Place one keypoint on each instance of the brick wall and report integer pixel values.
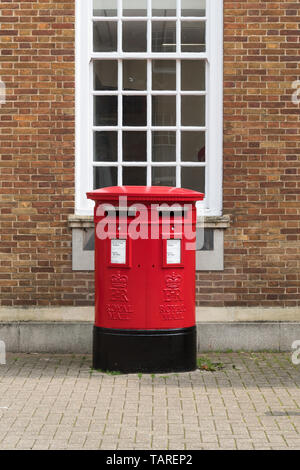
(37, 155)
(261, 158)
(261, 150)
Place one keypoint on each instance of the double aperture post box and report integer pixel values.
(145, 279)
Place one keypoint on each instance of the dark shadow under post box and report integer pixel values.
(145, 241)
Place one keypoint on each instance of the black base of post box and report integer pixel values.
(147, 351)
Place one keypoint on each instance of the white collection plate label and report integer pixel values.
(173, 251)
(118, 252)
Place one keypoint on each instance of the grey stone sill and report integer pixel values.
(81, 221)
(218, 222)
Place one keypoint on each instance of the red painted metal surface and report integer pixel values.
(145, 292)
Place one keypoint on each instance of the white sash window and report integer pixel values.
(149, 96)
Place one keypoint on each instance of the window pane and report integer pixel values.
(193, 110)
(164, 75)
(130, 8)
(163, 176)
(105, 146)
(193, 75)
(134, 75)
(192, 36)
(134, 36)
(193, 146)
(163, 36)
(193, 7)
(105, 8)
(105, 110)
(164, 146)
(134, 146)
(205, 239)
(134, 110)
(164, 7)
(163, 110)
(134, 176)
(105, 36)
(105, 176)
(105, 75)
(193, 178)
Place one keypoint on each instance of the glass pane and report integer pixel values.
(163, 110)
(134, 110)
(164, 146)
(134, 75)
(193, 146)
(163, 75)
(134, 146)
(163, 176)
(193, 110)
(105, 36)
(164, 7)
(192, 36)
(105, 146)
(105, 176)
(105, 110)
(134, 36)
(134, 7)
(105, 75)
(193, 178)
(163, 36)
(105, 7)
(193, 7)
(134, 176)
(193, 75)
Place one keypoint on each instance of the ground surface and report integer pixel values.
(58, 402)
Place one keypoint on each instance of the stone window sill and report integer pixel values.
(218, 222)
(206, 260)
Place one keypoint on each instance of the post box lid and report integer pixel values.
(145, 193)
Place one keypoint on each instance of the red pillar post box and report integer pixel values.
(145, 279)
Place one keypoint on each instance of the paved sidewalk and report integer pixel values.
(57, 402)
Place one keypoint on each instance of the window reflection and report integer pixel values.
(134, 110)
(134, 36)
(163, 36)
(163, 110)
(105, 146)
(105, 110)
(104, 7)
(134, 146)
(134, 75)
(105, 177)
(164, 75)
(134, 176)
(105, 75)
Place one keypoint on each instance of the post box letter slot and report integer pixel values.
(120, 211)
(173, 251)
(118, 252)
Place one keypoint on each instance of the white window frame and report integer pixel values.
(212, 205)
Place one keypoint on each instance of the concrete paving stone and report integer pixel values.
(67, 407)
(108, 446)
